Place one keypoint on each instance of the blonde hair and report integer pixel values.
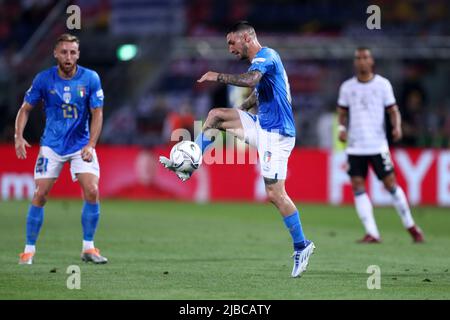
(66, 37)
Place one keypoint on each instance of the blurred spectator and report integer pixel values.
(150, 122)
(180, 118)
(436, 132)
(413, 117)
(446, 126)
(413, 105)
(325, 130)
(120, 128)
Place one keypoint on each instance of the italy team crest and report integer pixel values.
(267, 156)
(81, 91)
(266, 161)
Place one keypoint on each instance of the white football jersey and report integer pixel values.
(366, 103)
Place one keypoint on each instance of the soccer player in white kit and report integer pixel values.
(362, 103)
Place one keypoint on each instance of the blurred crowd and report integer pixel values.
(320, 17)
(314, 84)
(420, 85)
(18, 21)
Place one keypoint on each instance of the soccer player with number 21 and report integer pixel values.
(72, 96)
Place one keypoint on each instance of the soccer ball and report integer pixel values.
(186, 156)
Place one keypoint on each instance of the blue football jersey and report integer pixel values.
(67, 106)
(274, 95)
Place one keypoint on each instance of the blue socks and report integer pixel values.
(203, 141)
(89, 220)
(34, 223)
(294, 225)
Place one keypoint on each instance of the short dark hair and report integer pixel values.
(363, 48)
(241, 26)
(67, 37)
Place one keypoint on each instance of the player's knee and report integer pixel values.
(214, 114)
(273, 195)
(391, 187)
(217, 114)
(358, 189)
(389, 183)
(358, 186)
(40, 196)
(91, 192)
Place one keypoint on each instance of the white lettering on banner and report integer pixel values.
(379, 195)
(14, 186)
(414, 174)
(443, 177)
(338, 176)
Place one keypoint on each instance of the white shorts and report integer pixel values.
(274, 149)
(49, 164)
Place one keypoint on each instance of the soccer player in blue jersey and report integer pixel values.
(72, 96)
(271, 130)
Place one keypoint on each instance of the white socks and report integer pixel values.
(88, 245)
(365, 212)
(402, 207)
(30, 248)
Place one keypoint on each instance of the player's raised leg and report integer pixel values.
(401, 205)
(89, 217)
(218, 119)
(35, 218)
(222, 119)
(303, 248)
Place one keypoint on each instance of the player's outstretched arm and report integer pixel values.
(396, 121)
(21, 121)
(95, 130)
(248, 79)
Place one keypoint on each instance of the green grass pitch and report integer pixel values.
(174, 250)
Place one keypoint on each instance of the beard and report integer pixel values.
(244, 54)
(364, 70)
(66, 68)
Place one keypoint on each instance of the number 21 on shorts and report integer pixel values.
(41, 165)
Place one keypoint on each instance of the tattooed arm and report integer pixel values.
(248, 79)
(250, 104)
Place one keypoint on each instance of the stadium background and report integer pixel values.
(150, 53)
(209, 244)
